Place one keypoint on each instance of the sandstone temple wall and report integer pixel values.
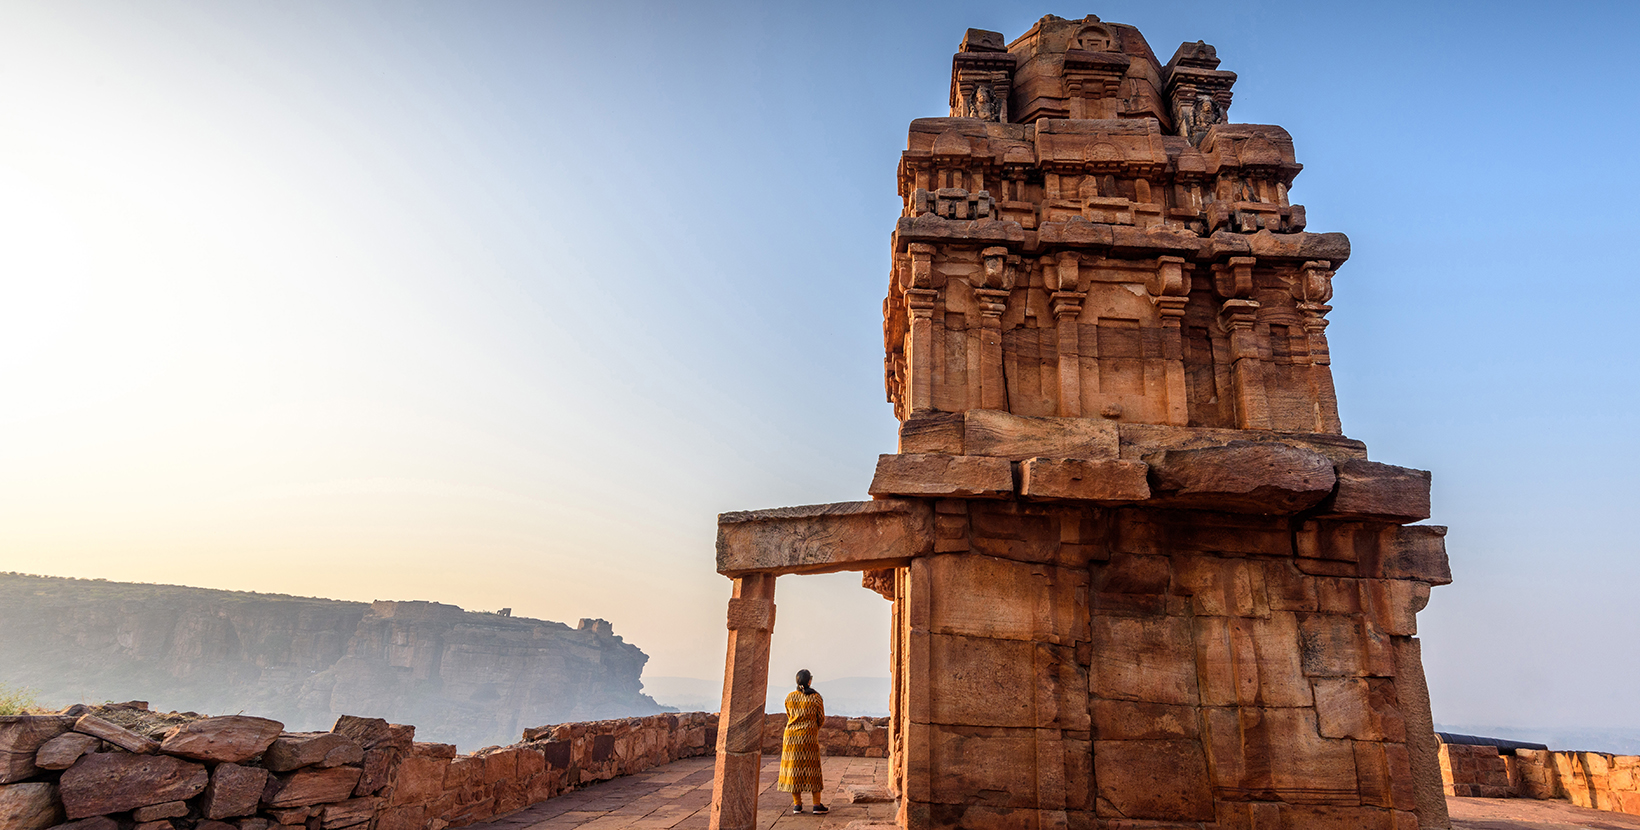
(121, 766)
(1596, 780)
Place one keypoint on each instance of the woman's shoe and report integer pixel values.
(821, 808)
(797, 809)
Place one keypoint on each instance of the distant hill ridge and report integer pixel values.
(463, 677)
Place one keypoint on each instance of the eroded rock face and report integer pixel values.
(469, 678)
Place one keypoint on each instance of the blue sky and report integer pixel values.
(500, 303)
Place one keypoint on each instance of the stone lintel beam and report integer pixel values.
(1370, 490)
(824, 538)
(1241, 477)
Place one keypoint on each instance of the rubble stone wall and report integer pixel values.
(121, 766)
(1596, 780)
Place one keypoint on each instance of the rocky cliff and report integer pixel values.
(462, 677)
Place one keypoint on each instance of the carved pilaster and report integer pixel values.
(1169, 291)
(997, 277)
(1233, 280)
(1311, 290)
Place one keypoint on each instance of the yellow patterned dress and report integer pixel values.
(800, 746)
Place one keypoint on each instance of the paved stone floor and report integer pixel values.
(679, 795)
(1528, 814)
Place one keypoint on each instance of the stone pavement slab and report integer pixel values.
(1530, 814)
(678, 796)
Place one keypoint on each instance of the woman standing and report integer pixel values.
(800, 746)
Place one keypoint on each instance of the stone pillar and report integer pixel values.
(1422, 747)
(740, 721)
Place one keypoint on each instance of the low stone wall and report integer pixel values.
(1596, 780)
(121, 766)
(839, 737)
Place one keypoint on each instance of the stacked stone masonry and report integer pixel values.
(1596, 780)
(85, 770)
(1138, 575)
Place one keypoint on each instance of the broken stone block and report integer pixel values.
(934, 475)
(1242, 477)
(113, 782)
(1105, 481)
(30, 805)
(117, 735)
(294, 750)
(233, 738)
(234, 791)
(62, 751)
(307, 787)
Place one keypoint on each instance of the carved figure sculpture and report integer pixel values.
(1138, 576)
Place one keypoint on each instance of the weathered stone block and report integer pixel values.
(169, 809)
(62, 751)
(1016, 437)
(314, 785)
(1242, 477)
(113, 782)
(1157, 780)
(234, 791)
(294, 750)
(934, 475)
(986, 596)
(233, 739)
(1370, 490)
(21, 737)
(1105, 481)
(1148, 659)
(117, 735)
(30, 805)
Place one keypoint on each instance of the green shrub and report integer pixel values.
(17, 701)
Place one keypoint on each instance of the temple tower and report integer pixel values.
(1139, 576)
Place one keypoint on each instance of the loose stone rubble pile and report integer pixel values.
(1138, 575)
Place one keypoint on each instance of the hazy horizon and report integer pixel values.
(499, 304)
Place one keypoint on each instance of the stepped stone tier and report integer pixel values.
(1139, 576)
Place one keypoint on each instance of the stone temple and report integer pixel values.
(1139, 576)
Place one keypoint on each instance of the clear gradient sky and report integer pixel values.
(499, 303)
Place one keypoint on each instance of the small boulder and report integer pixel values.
(313, 786)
